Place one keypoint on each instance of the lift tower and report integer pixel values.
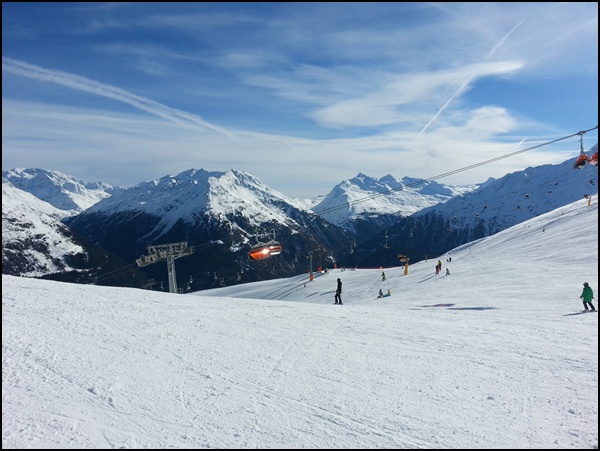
(169, 252)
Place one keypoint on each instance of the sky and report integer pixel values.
(498, 354)
(301, 95)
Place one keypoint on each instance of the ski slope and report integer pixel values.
(495, 355)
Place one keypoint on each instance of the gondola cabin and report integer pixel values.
(581, 161)
(265, 251)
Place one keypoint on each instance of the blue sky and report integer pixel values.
(300, 95)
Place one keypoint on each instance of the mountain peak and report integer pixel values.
(63, 191)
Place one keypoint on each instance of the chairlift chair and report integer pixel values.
(583, 158)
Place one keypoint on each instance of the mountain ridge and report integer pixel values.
(238, 211)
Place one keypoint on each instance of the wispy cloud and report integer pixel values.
(85, 84)
(465, 84)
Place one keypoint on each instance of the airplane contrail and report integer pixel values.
(87, 85)
(463, 85)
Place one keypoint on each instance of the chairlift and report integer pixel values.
(583, 158)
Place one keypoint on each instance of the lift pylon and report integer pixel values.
(167, 252)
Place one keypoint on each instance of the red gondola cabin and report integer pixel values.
(265, 251)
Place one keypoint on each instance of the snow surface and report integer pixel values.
(495, 355)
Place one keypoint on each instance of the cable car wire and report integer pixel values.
(455, 171)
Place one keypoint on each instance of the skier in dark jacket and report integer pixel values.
(587, 295)
(338, 292)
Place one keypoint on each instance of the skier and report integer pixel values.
(587, 295)
(382, 276)
(447, 272)
(380, 293)
(338, 292)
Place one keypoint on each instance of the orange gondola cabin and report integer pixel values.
(581, 161)
(265, 251)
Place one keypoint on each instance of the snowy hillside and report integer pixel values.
(521, 195)
(496, 355)
(33, 238)
(495, 206)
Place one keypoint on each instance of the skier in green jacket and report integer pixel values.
(587, 295)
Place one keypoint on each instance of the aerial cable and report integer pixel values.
(455, 171)
(115, 273)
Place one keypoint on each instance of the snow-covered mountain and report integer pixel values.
(190, 194)
(367, 204)
(36, 243)
(62, 191)
(222, 215)
(364, 204)
(34, 240)
(495, 206)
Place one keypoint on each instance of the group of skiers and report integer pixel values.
(586, 295)
(438, 268)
